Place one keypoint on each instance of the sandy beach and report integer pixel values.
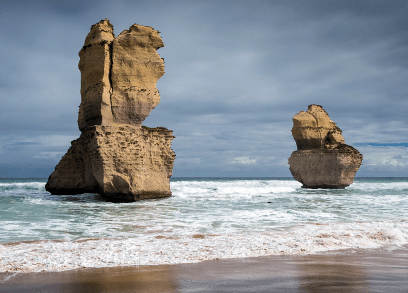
(380, 270)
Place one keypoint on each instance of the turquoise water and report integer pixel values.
(206, 218)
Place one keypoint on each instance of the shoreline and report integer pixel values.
(361, 270)
(161, 249)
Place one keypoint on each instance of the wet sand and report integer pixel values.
(343, 271)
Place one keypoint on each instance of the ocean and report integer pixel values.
(205, 219)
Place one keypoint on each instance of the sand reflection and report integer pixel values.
(332, 273)
(117, 279)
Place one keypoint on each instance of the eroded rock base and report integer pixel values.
(332, 168)
(123, 163)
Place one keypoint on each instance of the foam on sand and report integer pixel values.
(159, 249)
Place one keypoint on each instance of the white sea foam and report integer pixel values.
(159, 249)
(242, 188)
(211, 207)
(35, 184)
(204, 219)
(379, 186)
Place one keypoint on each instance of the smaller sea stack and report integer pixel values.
(322, 159)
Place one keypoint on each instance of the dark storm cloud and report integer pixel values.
(236, 73)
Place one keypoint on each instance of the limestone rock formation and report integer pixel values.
(116, 156)
(322, 160)
(119, 75)
(136, 68)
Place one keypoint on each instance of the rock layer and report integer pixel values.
(116, 156)
(322, 160)
(122, 163)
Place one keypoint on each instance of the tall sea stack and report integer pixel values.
(322, 159)
(116, 156)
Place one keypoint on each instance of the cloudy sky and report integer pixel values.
(236, 74)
